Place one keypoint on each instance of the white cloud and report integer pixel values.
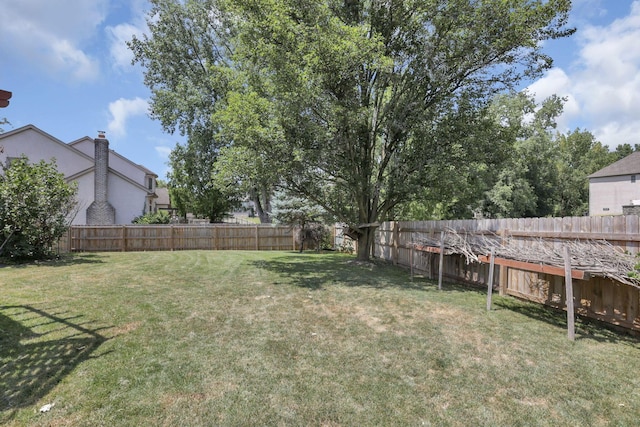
(585, 10)
(66, 57)
(556, 82)
(50, 34)
(614, 133)
(121, 110)
(120, 52)
(603, 85)
(120, 34)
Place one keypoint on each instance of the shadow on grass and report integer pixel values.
(62, 261)
(37, 350)
(315, 271)
(534, 311)
(586, 328)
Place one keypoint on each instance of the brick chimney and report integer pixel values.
(100, 212)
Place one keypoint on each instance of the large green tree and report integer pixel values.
(525, 184)
(245, 167)
(36, 207)
(370, 98)
(190, 185)
(579, 155)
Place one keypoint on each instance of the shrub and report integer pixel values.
(160, 217)
(36, 207)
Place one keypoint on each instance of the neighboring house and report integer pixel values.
(111, 188)
(163, 202)
(615, 189)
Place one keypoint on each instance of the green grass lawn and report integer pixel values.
(277, 338)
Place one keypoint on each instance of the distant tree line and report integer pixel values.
(534, 170)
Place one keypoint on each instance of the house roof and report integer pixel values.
(31, 127)
(71, 146)
(163, 196)
(145, 170)
(137, 165)
(629, 165)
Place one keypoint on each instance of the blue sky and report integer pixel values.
(70, 72)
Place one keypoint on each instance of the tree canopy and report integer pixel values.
(356, 105)
(190, 184)
(533, 170)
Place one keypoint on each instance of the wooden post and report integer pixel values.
(411, 260)
(257, 239)
(441, 267)
(504, 270)
(124, 238)
(395, 236)
(571, 328)
(490, 285)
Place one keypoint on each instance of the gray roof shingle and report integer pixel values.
(629, 165)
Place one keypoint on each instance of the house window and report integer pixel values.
(605, 209)
(150, 183)
(633, 178)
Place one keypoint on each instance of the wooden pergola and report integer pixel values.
(5, 96)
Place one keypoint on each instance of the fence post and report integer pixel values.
(124, 238)
(395, 236)
(257, 239)
(571, 327)
(411, 259)
(441, 267)
(492, 263)
(504, 272)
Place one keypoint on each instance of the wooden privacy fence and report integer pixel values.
(177, 237)
(595, 297)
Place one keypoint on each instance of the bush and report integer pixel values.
(36, 207)
(160, 217)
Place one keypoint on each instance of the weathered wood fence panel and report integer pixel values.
(177, 237)
(597, 297)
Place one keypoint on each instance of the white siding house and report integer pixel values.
(130, 187)
(615, 186)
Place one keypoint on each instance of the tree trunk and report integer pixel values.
(263, 207)
(365, 241)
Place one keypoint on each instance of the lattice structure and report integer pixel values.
(598, 258)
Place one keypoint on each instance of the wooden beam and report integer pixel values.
(431, 249)
(537, 268)
(521, 265)
(623, 237)
(369, 225)
(573, 235)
